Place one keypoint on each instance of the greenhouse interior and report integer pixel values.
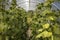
(29, 19)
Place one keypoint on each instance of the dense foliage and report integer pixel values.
(41, 24)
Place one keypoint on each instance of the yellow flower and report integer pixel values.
(39, 35)
(46, 34)
(46, 25)
(40, 30)
(29, 20)
(49, 34)
(47, 11)
(51, 18)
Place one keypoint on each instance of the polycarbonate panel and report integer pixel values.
(24, 5)
(10, 1)
(28, 4)
(8, 4)
(57, 5)
(34, 1)
(40, 1)
(54, 8)
(22, 1)
(32, 6)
